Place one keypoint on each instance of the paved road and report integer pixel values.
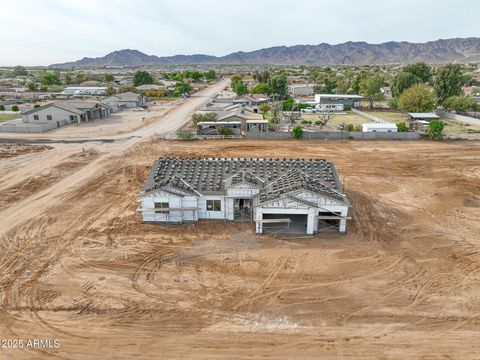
(41, 201)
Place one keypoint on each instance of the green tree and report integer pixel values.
(402, 127)
(182, 88)
(184, 134)
(20, 70)
(110, 91)
(67, 79)
(108, 78)
(15, 108)
(278, 83)
(461, 104)
(210, 75)
(327, 86)
(261, 88)
(342, 86)
(287, 104)
(262, 76)
(435, 128)
(240, 88)
(31, 86)
(298, 132)
(195, 75)
(418, 98)
(357, 81)
(370, 88)
(264, 108)
(235, 78)
(420, 70)
(448, 82)
(402, 82)
(142, 77)
(2, 107)
(206, 117)
(48, 79)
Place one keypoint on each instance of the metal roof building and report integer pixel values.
(424, 116)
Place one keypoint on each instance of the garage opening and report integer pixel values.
(296, 225)
(328, 221)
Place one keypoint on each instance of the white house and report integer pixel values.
(58, 114)
(295, 195)
(345, 99)
(379, 127)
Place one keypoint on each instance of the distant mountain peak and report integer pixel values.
(348, 53)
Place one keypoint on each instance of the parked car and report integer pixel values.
(309, 110)
(138, 109)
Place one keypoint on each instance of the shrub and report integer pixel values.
(2, 108)
(184, 134)
(358, 128)
(347, 107)
(226, 131)
(15, 108)
(319, 122)
(461, 104)
(435, 128)
(402, 127)
(36, 106)
(298, 132)
(198, 117)
(305, 122)
(264, 108)
(349, 127)
(393, 103)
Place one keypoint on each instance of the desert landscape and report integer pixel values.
(403, 282)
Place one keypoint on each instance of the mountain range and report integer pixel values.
(349, 53)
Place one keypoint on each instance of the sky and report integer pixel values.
(42, 32)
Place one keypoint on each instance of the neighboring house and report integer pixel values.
(291, 195)
(149, 87)
(212, 127)
(345, 99)
(301, 90)
(240, 119)
(423, 116)
(421, 121)
(126, 100)
(85, 90)
(123, 79)
(387, 92)
(252, 99)
(379, 127)
(58, 114)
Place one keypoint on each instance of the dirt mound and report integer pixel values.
(11, 150)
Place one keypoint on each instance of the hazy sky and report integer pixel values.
(42, 32)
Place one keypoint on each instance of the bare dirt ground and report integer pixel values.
(12, 150)
(403, 283)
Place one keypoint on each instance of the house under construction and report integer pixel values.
(290, 195)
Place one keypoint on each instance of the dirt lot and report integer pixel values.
(403, 283)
